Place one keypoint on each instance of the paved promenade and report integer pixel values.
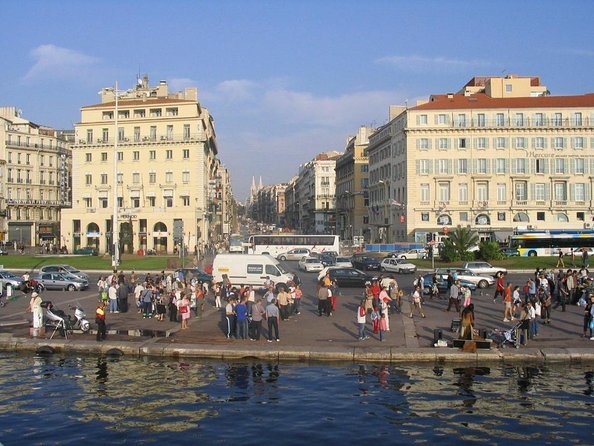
(307, 336)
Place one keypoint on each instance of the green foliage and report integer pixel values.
(461, 240)
(489, 250)
(448, 252)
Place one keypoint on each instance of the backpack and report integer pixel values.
(361, 311)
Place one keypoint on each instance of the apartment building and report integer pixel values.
(35, 166)
(352, 194)
(149, 157)
(501, 153)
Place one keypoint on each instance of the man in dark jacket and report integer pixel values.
(122, 294)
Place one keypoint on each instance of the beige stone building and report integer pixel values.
(502, 153)
(35, 163)
(150, 156)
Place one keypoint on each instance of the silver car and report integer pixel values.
(62, 281)
(66, 269)
(6, 277)
(397, 266)
(294, 254)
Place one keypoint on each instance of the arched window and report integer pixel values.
(482, 219)
(521, 217)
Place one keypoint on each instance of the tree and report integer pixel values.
(461, 241)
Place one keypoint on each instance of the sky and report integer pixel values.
(284, 80)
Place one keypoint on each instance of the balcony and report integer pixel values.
(143, 140)
(513, 123)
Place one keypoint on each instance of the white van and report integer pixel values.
(249, 269)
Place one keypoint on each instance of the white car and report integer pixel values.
(484, 268)
(344, 262)
(480, 280)
(397, 266)
(294, 254)
(310, 264)
(413, 254)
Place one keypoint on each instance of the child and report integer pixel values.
(382, 326)
(362, 320)
(375, 316)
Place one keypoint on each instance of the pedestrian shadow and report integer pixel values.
(351, 333)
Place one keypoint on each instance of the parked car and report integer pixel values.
(87, 251)
(63, 268)
(484, 268)
(3, 252)
(414, 254)
(62, 281)
(397, 266)
(325, 258)
(294, 254)
(366, 263)
(343, 261)
(349, 277)
(480, 280)
(6, 277)
(442, 283)
(310, 264)
(510, 252)
(190, 273)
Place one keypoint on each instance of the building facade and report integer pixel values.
(500, 154)
(35, 173)
(149, 157)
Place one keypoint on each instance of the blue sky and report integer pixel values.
(284, 80)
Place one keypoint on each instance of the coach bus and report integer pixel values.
(277, 244)
(548, 242)
(236, 244)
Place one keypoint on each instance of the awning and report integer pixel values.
(503, 236)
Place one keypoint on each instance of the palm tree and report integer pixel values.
(462, 240)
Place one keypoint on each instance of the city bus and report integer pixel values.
(236, 244)
(278, 244)
(548, 242)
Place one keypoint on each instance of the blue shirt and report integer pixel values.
(241, 311)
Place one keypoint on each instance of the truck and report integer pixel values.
(250, 269)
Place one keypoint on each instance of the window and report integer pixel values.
(169, 177)
(482, 191)
(136, 155)
(186, 154)
(123, 114)
(442, 118)
(500, 165)
(540, 165)
(464, 216)
(481, 143)
(519, 119)
(152, 154)
(463, 192)
(499, 119)
(424, 166)
(461, 143)
(151, 201)
(578, 142)
(169, 133)
(538, 119)
(580, 216)
(424, 193)
(185, 176)
(155, 113)
(462, 165)
(559, 165)
(539, 142)
(539, 192)
(136, 134)
(135, 201)
(104, 156)
(423, 143)
(88, 179)
(422, 119)
(579, 192)
(424, 216)
(120, 156)
(444, 192)
(88, 157)
(508, 88)
(107, 115)
(558, 142)
(500, 142)
(186, 131)
(103, 202)
(558, 119)
(152, 177)
(521, 191)
(560, 191)
(185, 200)
(136, 178)
(168, 202)
(169, 154)
(461, 120)
(172, 111)
(443, 166)
(153, 133)
(121, 135)
(105, 135)
(103, 178)
(480, 120)
(520, 165)
(579, 166)
(89, 136)
(577, 118)
(501, 192)
(520, 143)
(140, 113)
(481, 165)
(500, 216)
(540, 216)
(88, 202)
(443, 143)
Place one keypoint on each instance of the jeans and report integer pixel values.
(231, 325)
(147, 308)
(362, 333)
(256, 329)
(533, 327)
(113, 305)
(242, 328)
(381, 333)
(272, 324)
(297, 305)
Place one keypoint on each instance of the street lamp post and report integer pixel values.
(114, 230)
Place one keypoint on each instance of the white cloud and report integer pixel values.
(422, 63)
(179, 84)
(57, 63)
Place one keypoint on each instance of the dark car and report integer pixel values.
(190, 273)
(349, 277)
(86, 251)
(510, 252)
(366, 263)
(442, 283)
(326, 259)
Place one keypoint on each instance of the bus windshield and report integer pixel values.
(550, 242)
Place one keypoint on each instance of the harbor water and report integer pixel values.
(73, 400)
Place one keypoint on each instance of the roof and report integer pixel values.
(148, 102)
(481, 100)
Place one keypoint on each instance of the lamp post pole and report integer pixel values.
(114, 230)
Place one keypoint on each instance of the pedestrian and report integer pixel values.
(172, 305)
(241, 314)
(100, 321)
(35, 309)
(533, 331)
(323, 303)
(585, 262)
(161, 309)
(499, 288)
(508, 300)
(184, 310)
(362, 320)
(385, 300)
(230, 318)
(589, 318)
(283, 304)
(560, 261)
(454, 296)
(138, 289)
(417, 302)
(297, 299)
(272, 314)
(147, 302)
(467, 323)
(467, 296)
(122, 296)
(368, 297)
(546, 307)
(382, 326)
(112, 293)
(524, 324)
(258, 313)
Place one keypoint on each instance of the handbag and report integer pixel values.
(183, 309)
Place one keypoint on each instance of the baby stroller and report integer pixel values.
(56, 319)
(510, 336)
